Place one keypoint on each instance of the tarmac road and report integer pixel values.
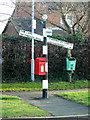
(61, 109)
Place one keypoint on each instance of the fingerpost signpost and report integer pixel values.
(43, 69)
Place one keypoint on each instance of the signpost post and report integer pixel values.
(45, 55)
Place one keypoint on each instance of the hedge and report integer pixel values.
(17, 55)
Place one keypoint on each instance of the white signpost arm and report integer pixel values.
(49, 39)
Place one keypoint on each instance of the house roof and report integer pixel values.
(26, 24)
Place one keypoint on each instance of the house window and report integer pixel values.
(69, 19)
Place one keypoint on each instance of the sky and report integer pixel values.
(6, 10)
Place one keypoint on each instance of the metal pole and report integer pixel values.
(45, 55)
(32, 61)
(69, 72)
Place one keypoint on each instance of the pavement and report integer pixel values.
(58, 107)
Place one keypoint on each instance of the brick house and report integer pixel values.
(21, 19)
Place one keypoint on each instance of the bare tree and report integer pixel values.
(73, 16)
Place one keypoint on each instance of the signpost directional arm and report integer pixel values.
(49, 40)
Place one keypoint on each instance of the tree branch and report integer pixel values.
(53, 22)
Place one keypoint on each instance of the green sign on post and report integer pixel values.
(70, 64)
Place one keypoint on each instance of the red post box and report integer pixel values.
(40, 64)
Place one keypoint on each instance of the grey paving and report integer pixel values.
(55, 105)
(60, 107)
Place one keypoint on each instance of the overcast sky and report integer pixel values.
(6, 10)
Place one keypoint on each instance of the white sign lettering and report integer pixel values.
(49, 32)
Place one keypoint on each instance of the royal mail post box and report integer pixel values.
(70, 64)
(40, 64)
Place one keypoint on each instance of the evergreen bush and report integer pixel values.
(17, 58)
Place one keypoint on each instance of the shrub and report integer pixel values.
(17, 56)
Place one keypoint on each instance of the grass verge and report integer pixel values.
(37, 86)
(13, 106)
(77, 96)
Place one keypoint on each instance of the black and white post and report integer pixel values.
(45, 55)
